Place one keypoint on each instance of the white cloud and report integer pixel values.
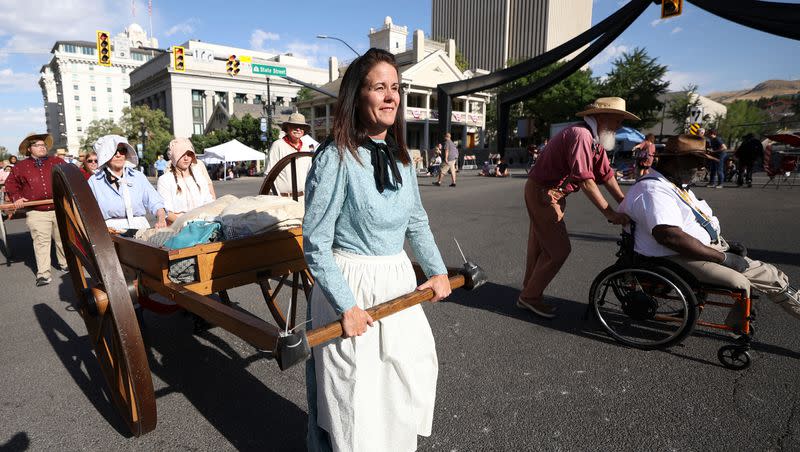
(13, 82)
(32, 26)
(258, 37)
(184, 28)
(676, 30)
(608, 54)
(16, 123)
(657, 22)
(678, 80)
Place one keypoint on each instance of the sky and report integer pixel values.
(697, 47)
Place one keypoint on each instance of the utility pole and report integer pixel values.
(269, 116)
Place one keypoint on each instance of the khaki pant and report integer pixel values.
(548, 241)
(761, 276)
(44, 228)
(448, 167)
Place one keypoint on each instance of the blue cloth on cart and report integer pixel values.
(195, 233)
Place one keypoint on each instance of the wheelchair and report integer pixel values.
(654, 303)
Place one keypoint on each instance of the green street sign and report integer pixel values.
(264, 69)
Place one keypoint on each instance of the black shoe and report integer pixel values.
(438, 184)
(452, 185)
(42, 281)
(62, 268)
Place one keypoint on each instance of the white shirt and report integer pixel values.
(283, 183)
(654, 202)
(192, 194)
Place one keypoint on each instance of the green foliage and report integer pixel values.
(743, 117)
(4, 154)
(639, 79)
(461, 61)
(97, 129)
(678, 108)
(157, 127)
(559, 103)
(246, 130)
(304, 93)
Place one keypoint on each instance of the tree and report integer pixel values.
(99, 128)
(743, 117)
(461, 61)
(639, 79)
(157, 127)
(559, 103)
(678, 108)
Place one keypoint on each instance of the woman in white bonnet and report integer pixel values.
(124, 194)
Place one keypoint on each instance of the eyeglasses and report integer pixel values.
(91, 160)
(121, 151)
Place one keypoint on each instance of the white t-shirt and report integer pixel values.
(192, 194)
(651, 203)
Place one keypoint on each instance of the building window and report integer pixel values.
(68, 48)
(87, 50)
(198, 125)
(94, 98)
(91, 68)
(80, 129)
(77, 97)
(239, 98)
(138, 56)
(77, 108)
(222, 98)
(124, 70)
(91, 88)
(108, 89)
(75, 87)
(258, 99)
(111, 109)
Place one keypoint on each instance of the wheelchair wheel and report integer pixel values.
(734, 357)
(644, 307)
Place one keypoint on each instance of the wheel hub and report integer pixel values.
(638, 305)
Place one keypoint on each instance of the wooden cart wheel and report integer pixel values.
(103, 299)
(298, 278)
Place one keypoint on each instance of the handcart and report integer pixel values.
(107, 296)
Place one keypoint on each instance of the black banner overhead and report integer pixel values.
(778, 18)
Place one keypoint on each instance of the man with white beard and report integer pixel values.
(574, 159)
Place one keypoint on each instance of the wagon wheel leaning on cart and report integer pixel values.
(297, 278)
(103, 299)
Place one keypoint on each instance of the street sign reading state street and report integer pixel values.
(264, 69)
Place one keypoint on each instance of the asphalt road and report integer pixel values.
(507, 381)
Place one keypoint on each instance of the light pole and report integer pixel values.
(144, 136)
(340, 40)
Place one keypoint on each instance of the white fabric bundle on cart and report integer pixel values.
(254, 215)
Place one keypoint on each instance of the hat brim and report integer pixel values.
(23, 145)
(306, 127)
(702, 154)
(612, 111)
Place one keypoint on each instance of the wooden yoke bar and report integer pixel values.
(334, 329)
(25, 205)
(244, 325)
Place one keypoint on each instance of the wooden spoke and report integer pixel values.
(103, 300)
(293, 303)
(271, 298)
(268, 186)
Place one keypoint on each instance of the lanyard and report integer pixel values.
(701, 218)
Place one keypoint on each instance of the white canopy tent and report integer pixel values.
(232, 151)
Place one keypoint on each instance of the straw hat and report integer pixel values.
(297, 119)
(610, 105)
(32, 137)
(686, 145)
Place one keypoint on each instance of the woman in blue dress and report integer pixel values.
(374, 388)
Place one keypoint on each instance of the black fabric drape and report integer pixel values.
(778, 18)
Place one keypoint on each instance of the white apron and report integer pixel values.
(130, 221)
(376, 392)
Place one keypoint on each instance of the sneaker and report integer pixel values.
(438, 184)
(718, 186)
(452, 185)
(42, 281)
(62, 268)
(540, 309)
(788, 300)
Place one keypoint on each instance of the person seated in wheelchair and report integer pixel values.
(672, 223)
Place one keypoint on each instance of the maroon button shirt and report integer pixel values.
(32, 182)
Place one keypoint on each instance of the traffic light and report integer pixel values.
(232, 65)
(103, 48)
(671, 8)
(178, 59)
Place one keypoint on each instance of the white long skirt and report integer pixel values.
(376, 392)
